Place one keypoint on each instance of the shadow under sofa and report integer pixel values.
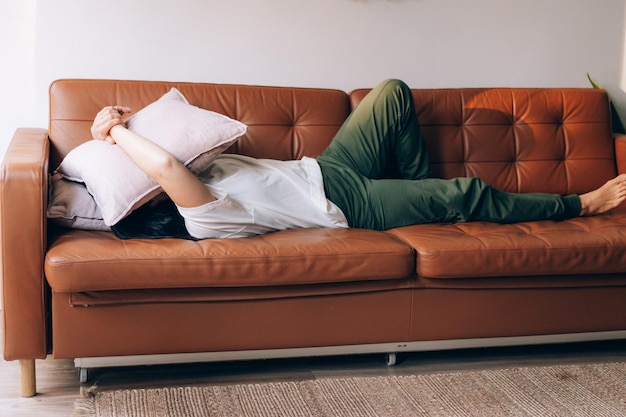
(103, 301)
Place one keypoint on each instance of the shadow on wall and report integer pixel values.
(617, 125)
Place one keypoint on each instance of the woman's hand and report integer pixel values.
(105, 120)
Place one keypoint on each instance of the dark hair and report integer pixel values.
(153, 220)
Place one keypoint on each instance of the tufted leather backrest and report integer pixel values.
(283, 123)
(555, 140)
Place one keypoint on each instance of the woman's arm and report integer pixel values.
(180, 184)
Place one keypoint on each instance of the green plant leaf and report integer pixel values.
(593, 83)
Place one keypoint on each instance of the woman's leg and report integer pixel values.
(382, 136)
(396, 203)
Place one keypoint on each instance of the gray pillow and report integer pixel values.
(71, 205)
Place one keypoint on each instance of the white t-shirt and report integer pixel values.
(256, 196)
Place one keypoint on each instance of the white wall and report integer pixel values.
(341, 44)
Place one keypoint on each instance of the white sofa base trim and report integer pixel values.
(390, 349)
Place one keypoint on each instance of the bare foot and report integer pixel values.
(605, 198)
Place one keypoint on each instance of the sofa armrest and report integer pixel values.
(23, 202)
(620, 152)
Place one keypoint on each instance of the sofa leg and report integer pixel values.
(28, 384)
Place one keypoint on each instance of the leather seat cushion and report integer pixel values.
(586, 245)
(80, 260)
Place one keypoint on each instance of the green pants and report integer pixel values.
(376, 170)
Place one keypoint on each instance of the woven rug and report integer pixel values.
(570, 390)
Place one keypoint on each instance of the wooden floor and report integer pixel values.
(58, 384)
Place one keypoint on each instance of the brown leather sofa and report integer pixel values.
(88, 295)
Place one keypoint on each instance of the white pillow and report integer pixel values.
(71, 205)
(171, 120)
(193, 135)
(117, 185)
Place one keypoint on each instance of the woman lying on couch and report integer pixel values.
(349, 185)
